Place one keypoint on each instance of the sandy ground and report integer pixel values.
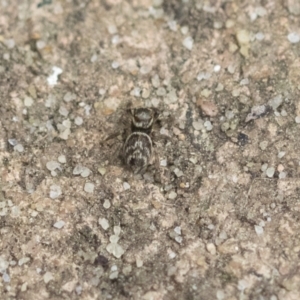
(219, 219)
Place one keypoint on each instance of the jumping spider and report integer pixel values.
(139, 138)
(138, 147)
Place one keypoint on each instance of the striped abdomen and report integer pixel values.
(137, 151)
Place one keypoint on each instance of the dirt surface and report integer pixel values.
(219, 219)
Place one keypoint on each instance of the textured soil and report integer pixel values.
(219, 218)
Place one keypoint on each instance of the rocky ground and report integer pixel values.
(219, 219)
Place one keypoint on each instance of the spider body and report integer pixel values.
(138, 147)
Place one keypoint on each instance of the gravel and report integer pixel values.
(293, 37)
(270, 172)
(104, 223)
(259, 229)
(28, 101)
(89, 187)
(19, 148)
(62, 159)
(188, 43)
(59, 224)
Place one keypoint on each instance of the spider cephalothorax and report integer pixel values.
(142, 119)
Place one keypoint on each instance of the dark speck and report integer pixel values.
(242, 139)
(102, 261)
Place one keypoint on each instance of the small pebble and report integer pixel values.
(115, 39)
(172, 195)
(19, 148)
(178, 172)
(211, 226)
(63, 111)
(188, 43)
(59, 224)
(172, 25)
(193, 160)
(13, 142)
(106, 204)
(69, 97)
(102, 170)
(242, 284)
(78, 169)
(282, 175)
(89, 187)
(297, 119)
(235, 93)
(114, 238)
(40, 44)
(52, 165)
(78, 289)
(28, 101)
(10, 43)
(184, 30)
(155, 81)
(126, 186)
(161, 91)
(172, 254)
(52, 79)
(55, 191)
(203, 76)
(229, 114)
(263, 145)
(280, 168)
(281, 154)
(115, 65)
(104, 223)
(231, 69)
(85, 172)
(205, 93)
(53, 173)
(220, 295)
(259, 229)
(62, 159)
(244, 81)
(211, 248)
(293, 37)
(145, 69)
(243, 37)
(276, 102)
(259, 36)
(48, 277)
(264, 167)
(219, 87)
(198, 125)
(177, 230)
(217, 68)
(117, 230)
(207, 107)
(102, 91)
(6, 277)
(270, 172)
(179, 239)
(208, 125)
(139, 263)
(23, 260)
(260, 11)
(163, 162)
(114, 275)
(112, 28)
(94, 58)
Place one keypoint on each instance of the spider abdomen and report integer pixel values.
(138, 151)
